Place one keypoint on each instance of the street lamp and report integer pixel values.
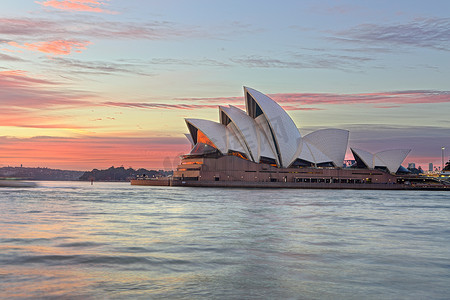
(442, 169)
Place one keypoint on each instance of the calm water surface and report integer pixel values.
(111, 240)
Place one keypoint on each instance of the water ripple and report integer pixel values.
(71, 240)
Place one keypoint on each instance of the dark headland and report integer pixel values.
(110, 174)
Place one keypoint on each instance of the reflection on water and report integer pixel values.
(111, 240)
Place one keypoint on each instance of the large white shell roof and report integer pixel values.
(281, 128)
(246, 127)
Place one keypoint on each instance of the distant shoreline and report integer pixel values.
(112, 174)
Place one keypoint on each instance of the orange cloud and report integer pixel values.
(13, 73)
(77, 5)
(20, 118)
(58, 47)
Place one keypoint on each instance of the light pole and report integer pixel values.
(442, 169)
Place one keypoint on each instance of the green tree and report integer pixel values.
(447, 166)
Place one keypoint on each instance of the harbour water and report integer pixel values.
(74, 240)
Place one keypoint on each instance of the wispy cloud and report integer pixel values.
(145, 105)
(299, 101)
(19, 78)
(6, 57)
(304, 61)
(431, 33)
(95, 67)
(58, 47)
(28, 102)
(90, 27)
(189, 62)
(78, 5)
(218, 100)
(398, 97)
(20, 90)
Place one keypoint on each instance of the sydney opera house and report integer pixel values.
(262, 146)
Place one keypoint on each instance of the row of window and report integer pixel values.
(334, 180)
(306, 180)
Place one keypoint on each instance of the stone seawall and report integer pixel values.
(287, 185)
(151, 182)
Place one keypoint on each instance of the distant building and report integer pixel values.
(411, 166)
(349, 162)
(430, 167)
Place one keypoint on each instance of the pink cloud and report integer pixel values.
(24, 98)
(304, 101)
(16, 78)
(218, 100)
(400, 97)
(20, 90)
(182, 106)
(58, 47)
(77, 5)
(159, 105)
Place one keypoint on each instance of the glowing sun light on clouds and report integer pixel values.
(77, 5)
(58, 47)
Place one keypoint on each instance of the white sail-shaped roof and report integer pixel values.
(366, 157)
(222, 137)
(311, 153)
(305, 153)
(319, 156)
(247, 131)
(266, 143)
(281, 129)
(392, 159)
(331, 142)
(237, 142)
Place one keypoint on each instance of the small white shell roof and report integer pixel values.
(331, 142)
(286, 135)
(391, 159)
(217, 133)
(365, 156)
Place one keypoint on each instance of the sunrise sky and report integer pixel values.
(92, 84)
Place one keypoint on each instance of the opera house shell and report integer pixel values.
(263, 144)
